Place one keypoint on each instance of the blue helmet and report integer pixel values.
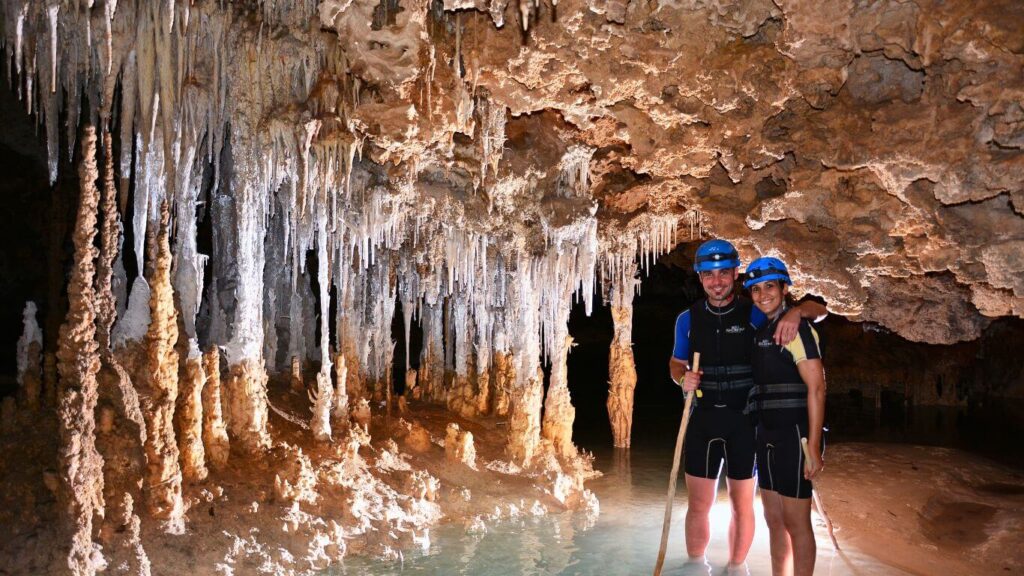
(764, 269)
(715, 254)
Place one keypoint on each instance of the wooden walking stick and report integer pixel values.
(817, 498)
(675, 472)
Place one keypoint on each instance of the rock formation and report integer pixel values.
(81, 466)
(159, 390)
(215, 435)
(621, 368)
(30, 360)
(189, 418)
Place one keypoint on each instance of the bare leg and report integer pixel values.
(741, 527)
(781, 548)
(797, 517)
(700, 495)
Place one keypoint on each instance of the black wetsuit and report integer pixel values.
(780, 398)
(718, 429)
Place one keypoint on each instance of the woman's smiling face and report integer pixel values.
(768, 296)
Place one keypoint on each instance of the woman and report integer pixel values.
(789, 396)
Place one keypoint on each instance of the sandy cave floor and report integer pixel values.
(926, 510)
(922, 510)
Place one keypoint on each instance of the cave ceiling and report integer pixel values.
(875, 146)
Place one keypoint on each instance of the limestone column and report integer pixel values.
(504, 369)
(461, 396)
(245, 390)
(81, 466)
(431, 372)
(621, 367)
(559, 412)
(528, 393)
(320, 422)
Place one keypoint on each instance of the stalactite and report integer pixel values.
(81, 466)
(215, 434)
(621, 367)
(159, 384)
(30, 360)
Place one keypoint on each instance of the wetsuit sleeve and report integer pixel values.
(806, 345)
(681, 350)
(757, 318)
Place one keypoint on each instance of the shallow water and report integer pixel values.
(622, 541)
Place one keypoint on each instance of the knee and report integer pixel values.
(797, 524)
(774, 519)
(742, 509)
(700, 505)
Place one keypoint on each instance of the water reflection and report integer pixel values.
(623, 542)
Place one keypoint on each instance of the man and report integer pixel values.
(721, 327)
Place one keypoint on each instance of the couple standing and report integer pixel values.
(760, 362)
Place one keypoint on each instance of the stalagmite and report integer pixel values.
(159, 390)
(340, 407)
(215, 434)
(30, 352)
(190, 418)
(81, 466)
(296, 375)
(110, 241)
(621, 368)
(458, 446)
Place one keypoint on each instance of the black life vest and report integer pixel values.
(723, 336)
(780, 396)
